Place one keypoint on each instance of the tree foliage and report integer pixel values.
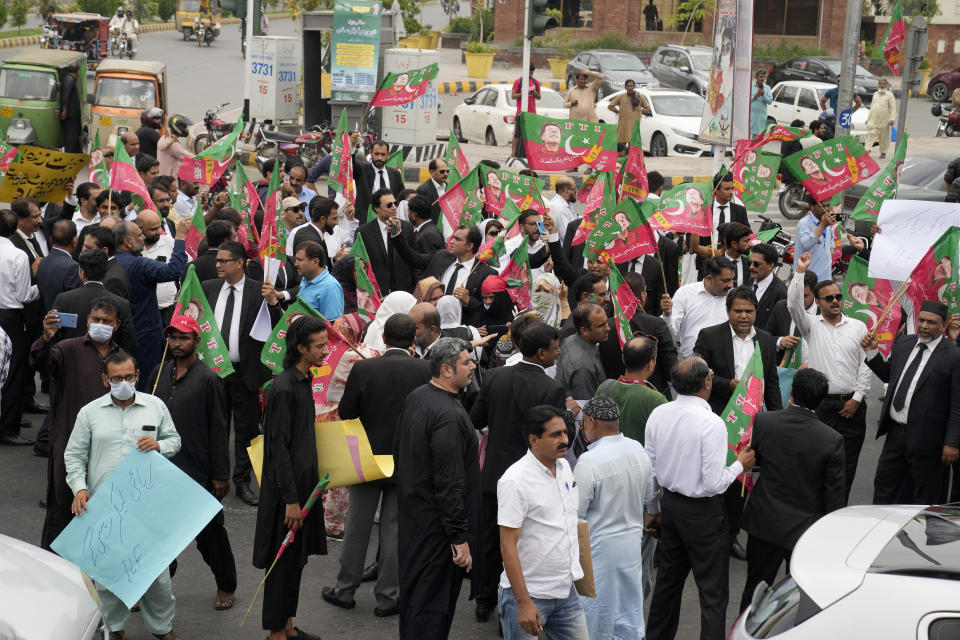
(18, 13)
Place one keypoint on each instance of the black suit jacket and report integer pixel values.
(392, 272)
(434, 264)
(653, 278)
(57, 273)
(375, 391)
(506, 394)
(776, 292)
(78, 301)
(251, 368)
(206, 264)
(801, 475)
(393, 177)
(287, 279)
(428, 238)
(611, 354)
(715, 345)
(116, 281)
(573, 254)
(737, 213)
(934, 416)
(428, 191)
(670, 252)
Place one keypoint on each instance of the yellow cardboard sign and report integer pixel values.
(41, 173)
(343, 451)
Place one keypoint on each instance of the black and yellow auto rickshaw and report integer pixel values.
(190, 11)
(87, 32)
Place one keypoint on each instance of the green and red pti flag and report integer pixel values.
(340, 177)
(633, 173)
(368, 293)
(207, 166)
(778, 133)
(935, 276)
(894, 37)
(556, 145)
(499, 185)
(98, 164)
(456, 161)
(395, 161)
(745, 403)
(625, 304)
(754, 175)
(492, 250)
(198, 230)
(461, 204)
(212, 349)
(830, 167)
(884, 185)
(517, 274)
(9, 154)
(622, 232)
(603, 190)
(866, 298)
(244, 198)
(404, 87)
(124, 177)
(275, 347)
(687, 208)
(273, 234)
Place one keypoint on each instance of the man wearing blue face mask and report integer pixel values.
(75, 366)
(107, 429)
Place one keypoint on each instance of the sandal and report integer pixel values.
(170, 635)
(223, 602)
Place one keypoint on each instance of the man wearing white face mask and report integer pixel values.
(74, 366)
(107, 429)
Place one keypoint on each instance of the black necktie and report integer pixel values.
(452, 282)
(383, 181)
(228, 317)
(723, 214)
(756, 287)
(36, 246)
(900, 398)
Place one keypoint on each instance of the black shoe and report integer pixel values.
(33, 407)
(14, 441)
(483, 611)
(370, 573)
(386, 613)
(245, 494)
(737, 550)
(303, 635)
(26, 424)
(41, 450)
(327, 594)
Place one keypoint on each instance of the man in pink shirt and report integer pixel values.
(533, 94)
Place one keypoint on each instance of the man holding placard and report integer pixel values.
(106, 431)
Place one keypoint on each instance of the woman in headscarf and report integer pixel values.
(490, 229)
(428, 290)
(350, 327)
(546, 299)
(396, 302)
(497, 309)
(343, 272)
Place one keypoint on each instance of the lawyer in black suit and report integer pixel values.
(439, 174)
(715, 345)
(91, 270)
(724, 211)
(58, 271)
(391, 271)
(205, 264)
(116, 279)
(458, 269)
(249, 371)
(374, 392)
(763, 259)
(425, 232)
(922, 423)
(376, 175)
(505, 396)
(801, 479)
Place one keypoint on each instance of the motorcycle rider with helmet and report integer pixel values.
(149, 133)
(131, 27)
(169, 150)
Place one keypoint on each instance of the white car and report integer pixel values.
(672, 128)
(800, 100)
(878, 572)
(488, 116)
(45, 596)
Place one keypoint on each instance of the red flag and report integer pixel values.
(124, 177)
(517, 274)
(602, 190)
(625, 303)
(198, 229)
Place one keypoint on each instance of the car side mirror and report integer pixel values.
(685, 69)
(470, 100)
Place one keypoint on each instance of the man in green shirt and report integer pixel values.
(636, 397)
(106, 431)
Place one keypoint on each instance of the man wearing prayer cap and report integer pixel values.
(921, 412)
(615, 481)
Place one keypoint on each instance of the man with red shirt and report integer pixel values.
(533, 94)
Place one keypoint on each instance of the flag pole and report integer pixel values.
(162, 359)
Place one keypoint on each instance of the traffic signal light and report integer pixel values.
(539, 20)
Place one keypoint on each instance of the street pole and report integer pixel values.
(848, 61)
(246, 67)
(915, 48)
(525, 63)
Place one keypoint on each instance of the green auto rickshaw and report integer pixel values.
(30, 97)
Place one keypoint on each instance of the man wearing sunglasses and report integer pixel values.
(389, 268)
(832, 346)
(766, 286)
(436, 186)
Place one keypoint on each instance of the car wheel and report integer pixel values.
(771, 120)
(490, 139)
(457, 131)
(200, 143)
(939, 92)
(693, 88)
(658, 146)
(186, 33)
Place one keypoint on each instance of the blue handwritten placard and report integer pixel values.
(142, 516)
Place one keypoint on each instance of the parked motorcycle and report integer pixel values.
(216, 128)
(949, 125)
(310, 146)
(50, 39)
(791, 202)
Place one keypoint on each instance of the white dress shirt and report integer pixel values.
(682, 433)
(518, 357)
(166, 291)
(465, 269)
(441, 188)
(763, 285)
(183, 207)
(40, 241)
(562, 212)
(234, 338)
(384, 233)
(694, 308)
(739, 275)
(15, 287)
(82, 222)
(742, 351)
(544, 508)
(381, 179)
(901, 416)
(833, 350)
(716, 218)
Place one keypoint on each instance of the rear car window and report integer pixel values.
(781, 607)
(928, 545)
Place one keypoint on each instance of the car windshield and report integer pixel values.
(128, 93)
(921, 171)
(781, 607)
(701, 61)
(927, 545)
(678, 106)
(190, 5)
(549, 99)
(27, 84)
(834, 66)
(621, 62)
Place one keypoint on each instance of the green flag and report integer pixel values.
(275, 348)
(456, 161)
(884, 186)
(212, 349)
(98, 164)
(744, 404)
(395, 160)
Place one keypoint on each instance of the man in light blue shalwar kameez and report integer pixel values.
(760, 97)
(615, 482)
